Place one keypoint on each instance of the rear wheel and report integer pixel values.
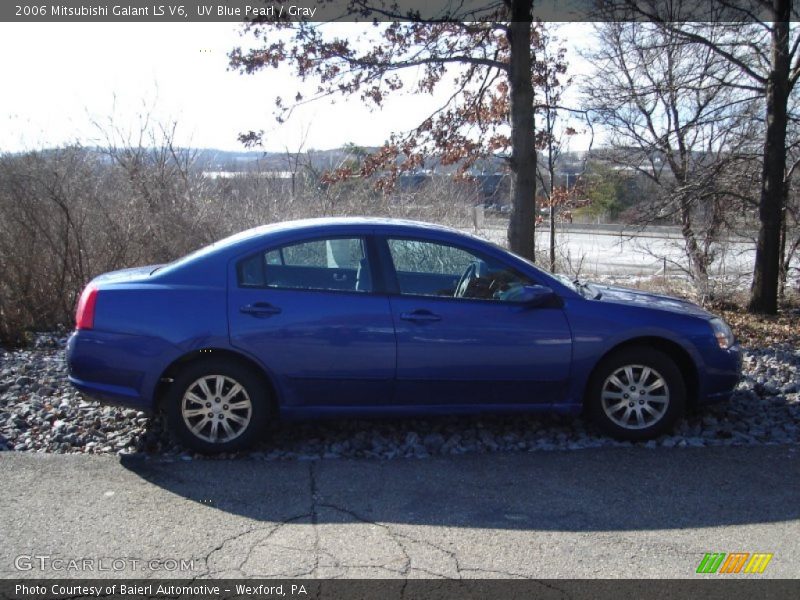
(636, 394)
(217, 406)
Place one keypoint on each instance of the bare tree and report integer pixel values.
(162, 183)
(553, 133)
(756, 39)
(674, 118)
(56, 231)
(550, 138)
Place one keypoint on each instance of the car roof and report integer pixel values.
(325, 225)
(343, 223)
(334, 225)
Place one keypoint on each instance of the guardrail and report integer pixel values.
(616, 229)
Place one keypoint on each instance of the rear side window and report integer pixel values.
(338, 264)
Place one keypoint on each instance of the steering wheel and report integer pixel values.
(469, 274)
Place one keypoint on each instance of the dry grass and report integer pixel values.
(764, 330)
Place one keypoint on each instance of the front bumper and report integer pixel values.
(722, 374)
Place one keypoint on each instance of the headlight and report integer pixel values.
(722, 332)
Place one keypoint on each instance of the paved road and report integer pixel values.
(596, 513)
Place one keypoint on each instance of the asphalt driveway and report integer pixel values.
(629, 512)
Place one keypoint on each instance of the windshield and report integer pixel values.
(562, 279)
(568, 282)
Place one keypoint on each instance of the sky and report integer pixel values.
(67, 83)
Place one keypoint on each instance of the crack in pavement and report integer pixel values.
(218, 548)
(270, 531)
(400, 539)
(263, 538)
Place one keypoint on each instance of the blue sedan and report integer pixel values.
(377, 317)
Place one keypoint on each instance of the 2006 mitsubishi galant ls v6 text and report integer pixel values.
(374, 317)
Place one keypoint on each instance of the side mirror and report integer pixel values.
(535, 295)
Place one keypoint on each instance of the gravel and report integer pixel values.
(41, 412)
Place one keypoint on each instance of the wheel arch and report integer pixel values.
(205, 354)
(683, 359)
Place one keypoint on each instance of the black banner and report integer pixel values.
(721, 588)
(179, 11)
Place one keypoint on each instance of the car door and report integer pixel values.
(307, 311)
(482, 347)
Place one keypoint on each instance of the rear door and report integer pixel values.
(308, 311)
(469, 342)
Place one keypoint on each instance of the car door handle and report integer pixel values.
(420, 316)
(260, 309)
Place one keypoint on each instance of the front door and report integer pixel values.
(462, 339)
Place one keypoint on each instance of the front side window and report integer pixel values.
(328, 264)
(433, 269)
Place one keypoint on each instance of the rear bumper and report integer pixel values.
(117, 368)
(110, 394)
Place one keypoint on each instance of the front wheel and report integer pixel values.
(217, 406)
(636, 394)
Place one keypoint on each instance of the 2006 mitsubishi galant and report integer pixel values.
(369, 317)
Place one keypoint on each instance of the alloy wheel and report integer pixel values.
(635, 396)
(216, 408)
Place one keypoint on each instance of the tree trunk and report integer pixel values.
(551, 171)
(523, 154)
(764, 291)
(552, 236)
(698, 259)
(784, 262)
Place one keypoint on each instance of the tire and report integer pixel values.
(636, 393)
(206, 421)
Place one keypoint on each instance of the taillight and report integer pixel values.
(84, 315)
